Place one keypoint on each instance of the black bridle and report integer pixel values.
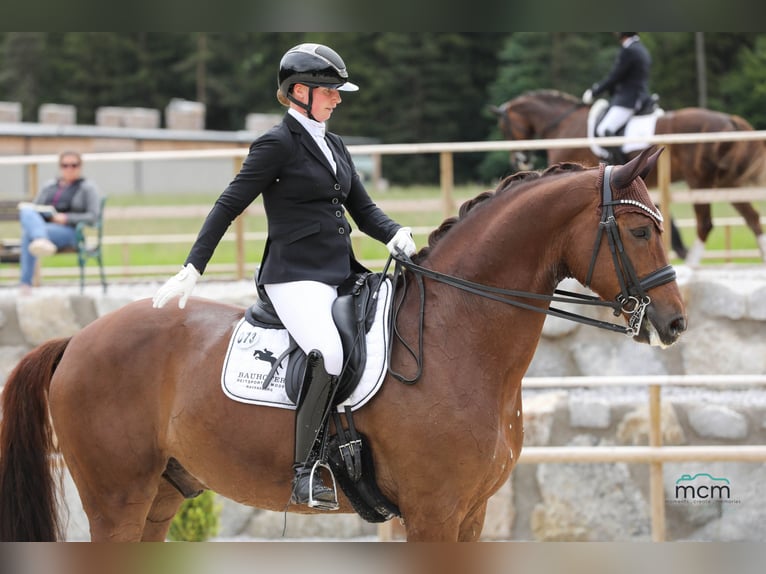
(632, 299)
(507, 125)
(543, 134)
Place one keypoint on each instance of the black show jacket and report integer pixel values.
(305, 203)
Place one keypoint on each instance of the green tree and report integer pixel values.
(423, 87)
(566, 61)
(747, 87)
(23, 68)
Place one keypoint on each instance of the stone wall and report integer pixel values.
(598, 502)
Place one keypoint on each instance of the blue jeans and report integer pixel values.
(33, 226)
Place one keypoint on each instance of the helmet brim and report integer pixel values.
(344, 87)
(348, 87)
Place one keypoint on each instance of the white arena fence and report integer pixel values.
(655, 454)
(446, 151)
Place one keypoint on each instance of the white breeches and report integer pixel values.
(305, 308)
(614, 119)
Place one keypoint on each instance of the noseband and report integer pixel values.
(632, 299)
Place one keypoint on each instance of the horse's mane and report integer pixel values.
(546, 94)
(512, 183)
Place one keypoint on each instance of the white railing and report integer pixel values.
(655, 454)
(446, 151)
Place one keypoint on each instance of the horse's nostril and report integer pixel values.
(678, 325)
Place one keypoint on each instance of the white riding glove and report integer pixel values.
(402, 240)
(587, 97)
(181, 284)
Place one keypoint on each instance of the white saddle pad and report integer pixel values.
(253, 351)
(641, 127)
(638, 127)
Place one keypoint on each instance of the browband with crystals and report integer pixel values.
(654, 213)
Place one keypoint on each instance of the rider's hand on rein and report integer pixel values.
(403, 241)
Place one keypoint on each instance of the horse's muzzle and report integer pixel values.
(661, 331)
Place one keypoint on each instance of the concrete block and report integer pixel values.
(184, 115)
(57, 114)
(261, 123)
(10, 112)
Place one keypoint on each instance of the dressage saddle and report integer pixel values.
(353, 312)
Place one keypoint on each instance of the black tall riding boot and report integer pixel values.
(616, 155)
(313, 401)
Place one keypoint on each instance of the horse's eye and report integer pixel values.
(642, 232)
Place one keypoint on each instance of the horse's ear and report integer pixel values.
(639, 166)
(651, 162)
(494, 110)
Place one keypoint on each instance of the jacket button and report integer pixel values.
(337, 187)
(341, 231)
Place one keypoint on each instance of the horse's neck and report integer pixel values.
(544, 114)
(508, 244)
(513, 244)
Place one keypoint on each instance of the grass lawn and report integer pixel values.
(174, 253)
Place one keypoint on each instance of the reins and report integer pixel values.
(555, 123)
(543, 133)
(632, 299)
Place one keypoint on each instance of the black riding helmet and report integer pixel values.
(313, 65)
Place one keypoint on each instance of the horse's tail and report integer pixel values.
(28, 508)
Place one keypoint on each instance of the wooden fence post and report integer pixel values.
(447, 182)
(656, 483)
(663, 181)
(32, 180)
(239, 230)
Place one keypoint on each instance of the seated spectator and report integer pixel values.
(48, 223)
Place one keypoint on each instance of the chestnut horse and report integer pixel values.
(548, 114)
(139, 389)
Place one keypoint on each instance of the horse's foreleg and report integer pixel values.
(424, 526)
(753, 220)
(704, 227)
(704, 220)
(422, 529)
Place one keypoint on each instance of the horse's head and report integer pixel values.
(539, 114)
(515, 126)
(629, 263)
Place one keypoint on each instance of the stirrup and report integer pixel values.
(322, 504)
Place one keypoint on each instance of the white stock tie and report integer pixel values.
(319, 138)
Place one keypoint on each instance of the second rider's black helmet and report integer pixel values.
(313, 65)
